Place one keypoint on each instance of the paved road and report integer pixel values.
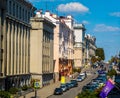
(72, 93)
(48, 90)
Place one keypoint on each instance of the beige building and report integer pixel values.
(15, 42)
(63, 44)
(79, 47)
(41, 49)
(2, 29)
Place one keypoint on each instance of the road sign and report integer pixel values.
(37, 84)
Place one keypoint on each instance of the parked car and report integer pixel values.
(71, 84)
(83, 75)
(88, 87)
(79, 79)
(74, 82)
(63, 87)
(58, 91)
(68, 85)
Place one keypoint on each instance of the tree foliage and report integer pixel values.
(111, 72)
(100, 53)
(5, 94)
(93, 59)
(87, 94)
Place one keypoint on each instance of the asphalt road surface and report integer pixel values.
(73, 92)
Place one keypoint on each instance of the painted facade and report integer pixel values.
(63, 45)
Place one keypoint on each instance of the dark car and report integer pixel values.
(58, 91)
(68, 85)
(64, 88)
(74, 82)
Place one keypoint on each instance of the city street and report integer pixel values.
(72, 93)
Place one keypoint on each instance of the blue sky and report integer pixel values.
(101, 19)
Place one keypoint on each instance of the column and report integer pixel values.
(15, 57)
(25, 38)
(28, 49)
(8, 47)
(21, 50)
(12, 67)
(17, 48)
(27, 67)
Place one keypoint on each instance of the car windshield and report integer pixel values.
(57, 89)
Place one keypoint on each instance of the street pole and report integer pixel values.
(35, 93)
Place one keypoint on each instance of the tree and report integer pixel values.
(87, 94)
(93, 59)
(111, 72)
(100, 53)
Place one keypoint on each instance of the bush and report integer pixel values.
(13, 90)
(25, 87)
(76, 70)
(4, 94)
(87, 94)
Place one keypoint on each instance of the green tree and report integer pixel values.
(100, 53)
(87, 94)
(93, 59)
(111, 72)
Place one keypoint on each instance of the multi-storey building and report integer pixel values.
(63, 44)
(15, 42)
(79, 47)
(41, 49)
(90, 44)
(2, 22)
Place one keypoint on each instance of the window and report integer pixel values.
(20, 12)
(10, 7)
(17, 11)
(23, 14)
(14, 9)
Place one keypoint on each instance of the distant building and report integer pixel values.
(41, 49)
(79, 47)
(15, 42)
(90, 44)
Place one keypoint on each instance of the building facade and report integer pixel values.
(41, 49)
(90, 44)
(2, 29)
(15, 42)
(63, 44)
(66, 42)
(79, 47)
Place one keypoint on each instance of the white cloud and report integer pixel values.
(73, 7)
(85, 22)
(116, 14)
(105, 28)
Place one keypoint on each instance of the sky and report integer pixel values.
(100, 17)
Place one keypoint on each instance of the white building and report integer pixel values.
(79, 48)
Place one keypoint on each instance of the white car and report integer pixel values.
(79, 79)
